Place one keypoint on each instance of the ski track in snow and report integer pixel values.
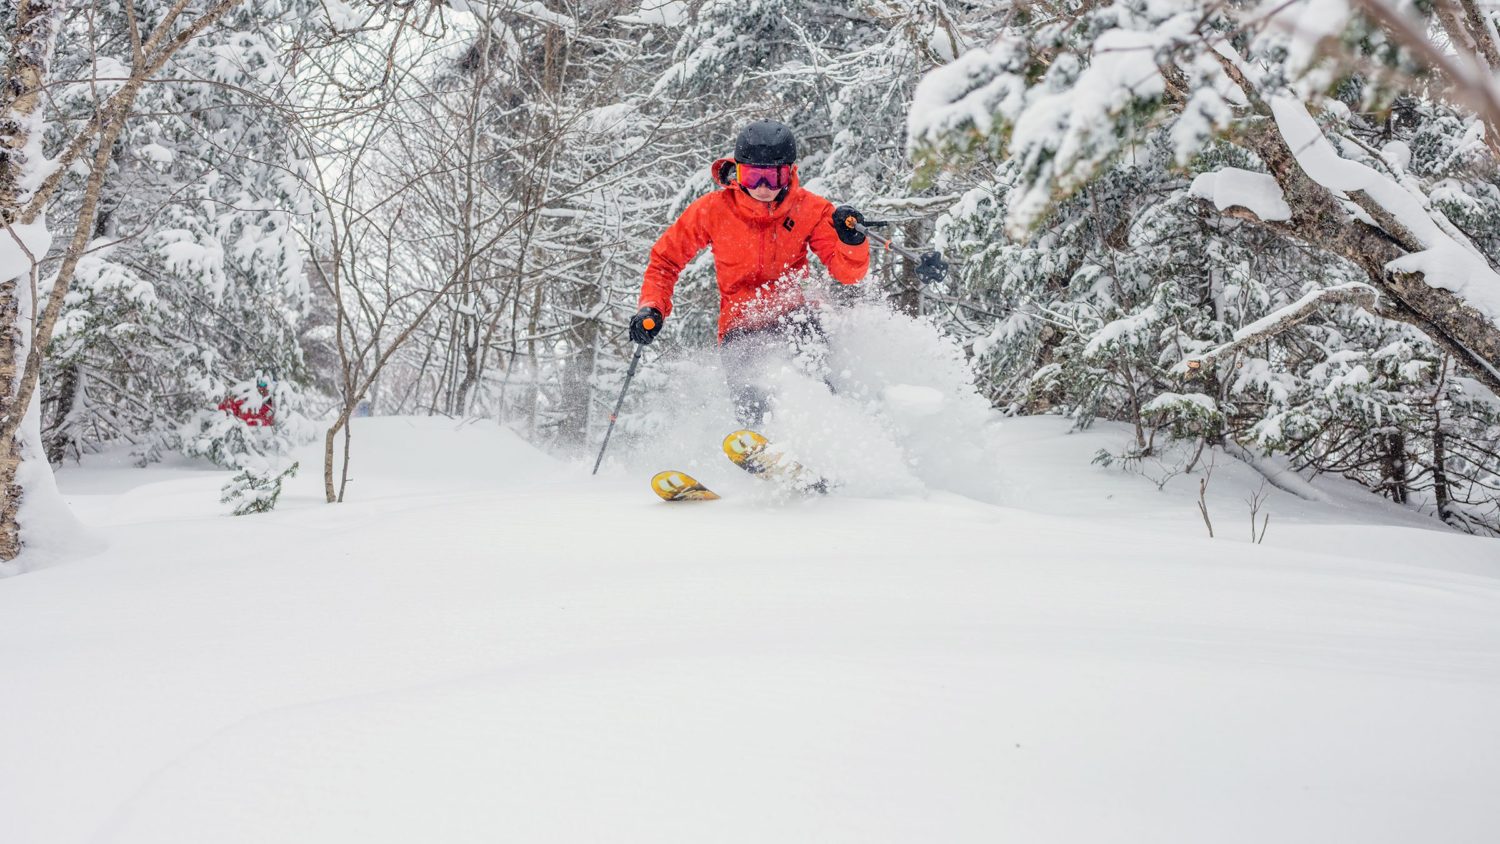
(487, 644)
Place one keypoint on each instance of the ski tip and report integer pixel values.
(754, 453)
(743, 444)
(673, 485)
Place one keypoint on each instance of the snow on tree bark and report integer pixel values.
(31, 51)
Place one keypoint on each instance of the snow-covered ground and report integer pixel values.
(486, 644)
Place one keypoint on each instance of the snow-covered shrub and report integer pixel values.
(222, 437)
(255, 490)
(1185, 415)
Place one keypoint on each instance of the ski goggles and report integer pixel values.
(773, 176)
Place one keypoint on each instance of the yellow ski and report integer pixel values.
(753, 453)
(673, 485)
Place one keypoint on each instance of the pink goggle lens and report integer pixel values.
(754, 176)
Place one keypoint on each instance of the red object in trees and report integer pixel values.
(758, 251)
(261, 417)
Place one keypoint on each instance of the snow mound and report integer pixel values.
(392, 454)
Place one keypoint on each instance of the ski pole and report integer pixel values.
(930, 265)
(629, 374)
(864, 229)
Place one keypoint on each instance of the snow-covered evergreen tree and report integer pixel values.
(1157, 191)
(194, 280)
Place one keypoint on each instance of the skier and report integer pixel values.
(760, 225)
(254, 415)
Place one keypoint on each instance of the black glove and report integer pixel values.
(932, 268)
(645, 325)
(844, 218)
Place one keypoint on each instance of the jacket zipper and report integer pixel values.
(760, 258)
(775, 229)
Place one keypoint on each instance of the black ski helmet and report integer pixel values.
(766, 142)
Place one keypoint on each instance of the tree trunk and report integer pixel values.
(344, 469)
(59, 437)
(330, 493)
(469, 352)
(907, 297)
(577, 388)
(1393, 465)
(11, 350)
(30, 53)
(1439, 465)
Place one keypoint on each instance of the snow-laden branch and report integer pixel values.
(1443, 260)
(967, 97)
(1232, 187)
(1062, 130)
(1281, 319)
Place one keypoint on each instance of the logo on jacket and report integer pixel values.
(789, 224)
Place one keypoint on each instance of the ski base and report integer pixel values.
(673, 485)
(752, 452)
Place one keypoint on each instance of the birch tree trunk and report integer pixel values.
(31, 51)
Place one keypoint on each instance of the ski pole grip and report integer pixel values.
(649, 324)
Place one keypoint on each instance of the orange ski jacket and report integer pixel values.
(760, 252)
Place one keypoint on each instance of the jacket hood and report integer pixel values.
(722, 172)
